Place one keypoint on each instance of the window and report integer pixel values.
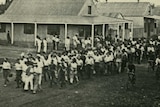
(98, 30)
(81, 31)
(126, 25)
(29, 28)
(152, 25)
(2, 28)
(155, 25)
(145, 27)
(84, 31)
(89, 10)
(53, 29)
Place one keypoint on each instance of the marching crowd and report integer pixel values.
(74, 64)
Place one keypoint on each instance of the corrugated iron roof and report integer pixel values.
(45, 7)
(52, 11)
(60, 19)
(126, 8)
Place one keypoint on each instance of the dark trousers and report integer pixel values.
(18, 77)
(46, 73)
(52, 75)
(97, 68)
(5, 75)
(158, 73)
(89, 71)
(108, 67)
(123, 65)
(80, 71)
(61, 77)
(53, 42)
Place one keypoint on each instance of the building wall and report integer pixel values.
(19, 35)
(138, 22)
(3, 36)
(42, 31)
(138, 25)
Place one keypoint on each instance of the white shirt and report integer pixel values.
(6, 65)
(55, 61)
(45, 61)
(53, 38)
(79, 62)
(49, 59)
(67, 41)
(90, 53)
(66, 58)
(57, 40)
(59, 59)
(23, 61)
(37, 70)
(142, 49)
(24, 67)
(18, 66)
(150, 49)
(133, 50)
(137, 46)
(98, 58)
(73, 66)
(108, 58)
(89, 61)
(38, 42)
(75, 39)
(45, 43)
(39, 63)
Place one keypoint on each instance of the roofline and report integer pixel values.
(134, 16)
(31, 22)
(82, 8)
(122, 2)
(153, 17)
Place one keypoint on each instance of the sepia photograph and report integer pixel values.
(79, 53)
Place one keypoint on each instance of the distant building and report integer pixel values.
(135, 11)
(156, 18)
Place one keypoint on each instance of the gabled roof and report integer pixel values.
(114, 15)
(45, 7)
(54, 12)
(125, 8)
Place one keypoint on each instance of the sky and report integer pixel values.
(156, 2)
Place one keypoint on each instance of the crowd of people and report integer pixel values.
(73, 64)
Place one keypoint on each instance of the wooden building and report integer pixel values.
(135, 11)
(25, 19)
